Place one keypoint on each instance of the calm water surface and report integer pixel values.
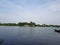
(12, 35)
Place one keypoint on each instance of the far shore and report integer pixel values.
(26, 24)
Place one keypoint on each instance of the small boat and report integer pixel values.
(57, 30)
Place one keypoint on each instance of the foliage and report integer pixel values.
(30, 24)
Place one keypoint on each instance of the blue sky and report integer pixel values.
(39, 11)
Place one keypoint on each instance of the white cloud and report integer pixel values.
(46, 13)
(54, 6)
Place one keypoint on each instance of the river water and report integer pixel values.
(15, 35)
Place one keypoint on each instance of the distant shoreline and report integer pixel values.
(26, 24)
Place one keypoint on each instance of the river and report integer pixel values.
(15, 35)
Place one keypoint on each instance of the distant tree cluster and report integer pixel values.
(25, 23)
(30, 24)
(8, 24)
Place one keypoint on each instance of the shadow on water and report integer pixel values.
(1, 42)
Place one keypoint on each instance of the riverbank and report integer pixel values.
(26, 24)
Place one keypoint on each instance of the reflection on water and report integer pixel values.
(1, 42)
(28, 36)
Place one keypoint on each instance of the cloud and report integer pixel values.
(39, 11)
(53, 7)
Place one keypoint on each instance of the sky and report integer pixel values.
(38, 11)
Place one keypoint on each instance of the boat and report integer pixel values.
(57, 30)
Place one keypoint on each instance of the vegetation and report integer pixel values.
(30, 24)
(8, 24)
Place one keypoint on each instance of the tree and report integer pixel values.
(32, 24)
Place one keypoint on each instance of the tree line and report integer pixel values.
(30, 24)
